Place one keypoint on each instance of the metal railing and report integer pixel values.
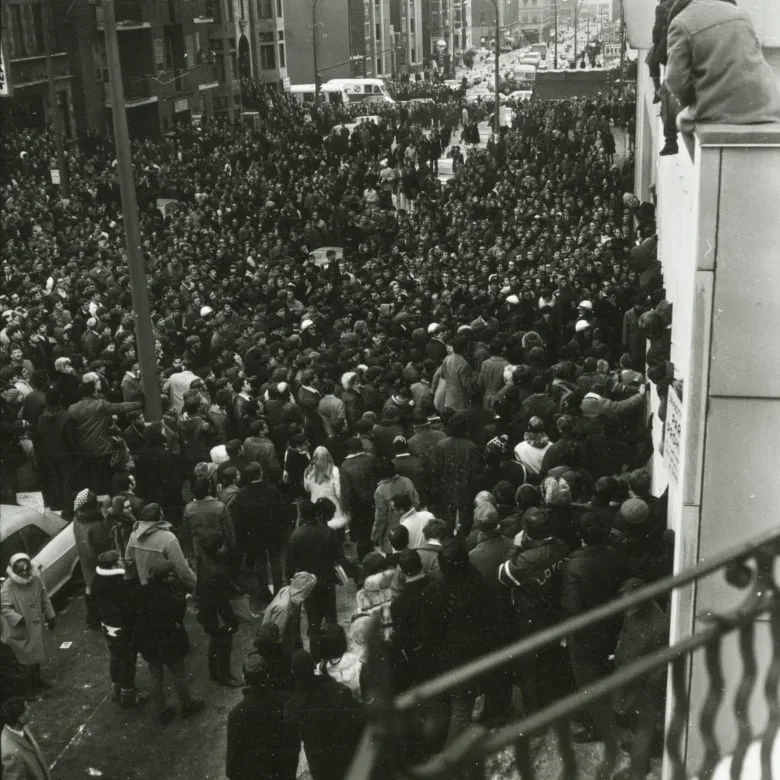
(749, 567)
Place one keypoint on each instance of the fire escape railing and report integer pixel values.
(749, 567)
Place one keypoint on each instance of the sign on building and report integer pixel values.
(5, 87)
(181, 105)
(673, 436)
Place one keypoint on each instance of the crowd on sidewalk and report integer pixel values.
(460, 397)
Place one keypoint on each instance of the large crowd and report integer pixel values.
(448, 407)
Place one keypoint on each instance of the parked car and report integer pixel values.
(45, 537)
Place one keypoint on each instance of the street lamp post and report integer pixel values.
(555, 11)
(314, 53)
(497, 72)
(144, 334)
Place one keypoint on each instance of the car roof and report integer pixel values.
(13, 518)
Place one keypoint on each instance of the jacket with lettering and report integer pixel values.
(534, 573)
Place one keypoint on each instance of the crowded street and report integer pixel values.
(402, 361)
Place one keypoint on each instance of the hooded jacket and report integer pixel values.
(154, 541)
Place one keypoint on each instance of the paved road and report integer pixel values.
(84, 734)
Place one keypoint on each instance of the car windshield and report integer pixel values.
(29, 539)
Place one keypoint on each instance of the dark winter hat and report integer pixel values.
(373, 563)
(409, 562)
(536, 523)
(151, 513)
(255, 670)
(108, 559)
(302, 665)
(594, 524)
(504, 493)
(634, 512)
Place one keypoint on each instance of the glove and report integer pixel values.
(51, 623)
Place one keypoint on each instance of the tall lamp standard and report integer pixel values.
(314, 52)
(497, 73)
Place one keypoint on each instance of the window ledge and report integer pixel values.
(738, 135)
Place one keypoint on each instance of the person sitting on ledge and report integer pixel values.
(716, 67)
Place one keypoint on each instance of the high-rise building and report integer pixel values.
(24, 85)
(173, 55)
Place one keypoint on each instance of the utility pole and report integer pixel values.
(576, 26)
(59, 130)
(555, 11)
(497, 72)
(227, 58)
(622, 54)
(144, 336)
(314, 36)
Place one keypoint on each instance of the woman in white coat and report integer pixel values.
(322, 480)
(25, 609)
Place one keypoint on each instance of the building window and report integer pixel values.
(412, 26)
(100, 62)
(280, 35)
(267, 57)
(37, 16)
(378, 31)
(265, 9)
(279, 10)
(282, 62)
(17, 33)
(378, 66)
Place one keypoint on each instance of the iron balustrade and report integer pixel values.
(749, 567)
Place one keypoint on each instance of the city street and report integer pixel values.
(85, 734)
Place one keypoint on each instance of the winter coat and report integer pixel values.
(208, 516)
(716, 67)
(385, 516)
(358, 482)
(533, 573)
(406, 643)
(456, 373)
(115, 601)
(196, 438)
(329, 489)
(91, 419)
(491, 378)
(260, 513)
(375, 597)
(92, 538)
(160, 635)
(315, 549)
(28, 602)
(285, 612)
(454, 464)
(152, 542)
(332, 414)
(262, 451)
(457, 619)
(22, 757)
(329, 722)
(594, 405)
(424, 440)
(408, 465)
(592, 577)
(429, 557)
(260, 746)
(414, 521)
(52, 437)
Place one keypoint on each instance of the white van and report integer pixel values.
(304, 93)
(358, 90)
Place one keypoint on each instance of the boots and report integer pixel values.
(670, 147)
(131, 697)
(224, 673)
(37, 679)
(93, 621)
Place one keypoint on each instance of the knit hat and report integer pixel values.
(409, 562)
(255, 670)
(556, 492)
(108, 559)
(634, 511)
(373, 563)
(302, 665)
(536, 523)
(83, 498)
(20, 556)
